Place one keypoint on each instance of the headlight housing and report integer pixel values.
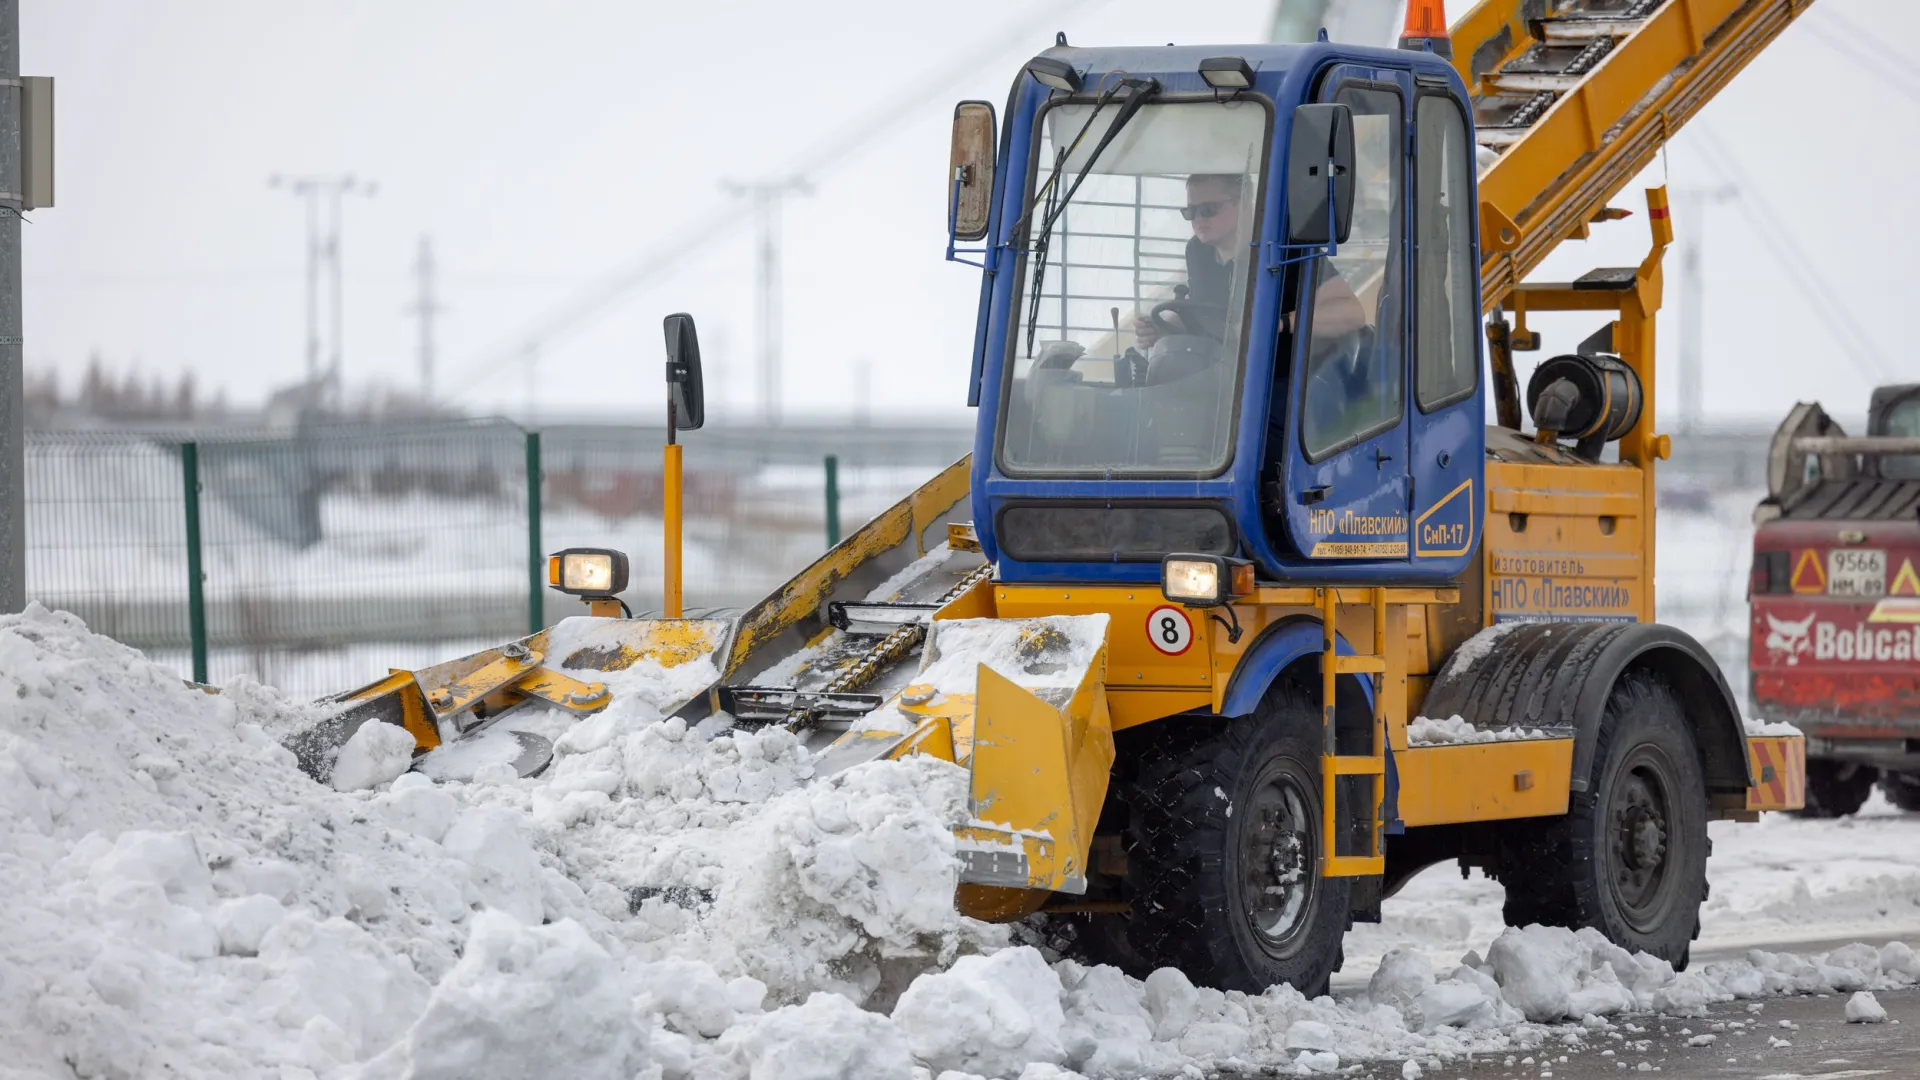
(588, 572)
(1204, 580)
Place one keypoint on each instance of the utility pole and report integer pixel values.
(13, 450)
(1693, 305)
(323, 386)
(424, 308)
(767, 195)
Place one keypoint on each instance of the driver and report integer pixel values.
(1213, 206)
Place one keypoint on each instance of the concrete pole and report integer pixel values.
(13, 460)
(424, 308)
(312, 196)
(767, 197)
(1693, 308)
(770, 305)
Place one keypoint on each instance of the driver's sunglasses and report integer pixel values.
(1203, 210)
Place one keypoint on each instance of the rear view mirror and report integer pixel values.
(970, 176)
(684, 394)
(1322, 136)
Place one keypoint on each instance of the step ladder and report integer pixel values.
(1335, 765)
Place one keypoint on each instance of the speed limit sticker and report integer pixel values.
(1169, 630)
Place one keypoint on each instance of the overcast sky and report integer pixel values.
(550, 147)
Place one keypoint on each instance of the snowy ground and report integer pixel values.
(182, 901)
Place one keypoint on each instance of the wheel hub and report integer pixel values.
(1640, 831)
(1277, 879)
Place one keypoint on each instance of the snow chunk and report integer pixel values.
(505, 872)
(528, 1001)
(825, 1038)
(1171, 1001)
(1864, 1008)
(377, 754)
(859, 866)
(1757, 728)
(987, 1014)
(242, 923)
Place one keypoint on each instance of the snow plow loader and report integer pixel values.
(1239, 614)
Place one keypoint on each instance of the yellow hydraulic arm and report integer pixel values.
(1579, 100)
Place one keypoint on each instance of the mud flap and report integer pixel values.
(1779, 764)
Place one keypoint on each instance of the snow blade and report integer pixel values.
(1021, 704)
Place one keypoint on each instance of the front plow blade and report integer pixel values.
(1021, 704)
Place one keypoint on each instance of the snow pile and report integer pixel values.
(1770, 727)
(182, 900)
(1454, 730)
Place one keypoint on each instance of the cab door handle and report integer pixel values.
(1316, 493)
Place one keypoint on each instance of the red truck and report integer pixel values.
(1835, 599)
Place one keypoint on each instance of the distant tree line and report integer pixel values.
(138, 396)
(106, 395)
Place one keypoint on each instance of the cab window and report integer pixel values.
(1447, 316)
(1903, 420)
(1353, 366)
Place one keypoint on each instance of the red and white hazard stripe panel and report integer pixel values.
(1779, 764)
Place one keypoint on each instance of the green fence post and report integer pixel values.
(536, 559)
(196, 578)
(833, 500)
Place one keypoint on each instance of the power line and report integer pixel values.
(1866, 38)
(1793, 259)
(836, 151)
(1894, 72)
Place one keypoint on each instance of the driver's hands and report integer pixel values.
(1146, 332)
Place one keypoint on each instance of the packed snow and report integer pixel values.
(1454, 730)
(1756, 728)
(182, 900)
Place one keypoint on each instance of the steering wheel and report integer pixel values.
(1189, 312)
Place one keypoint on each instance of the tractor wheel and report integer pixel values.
(1222, 865)
(1629, 857)
(1903, 789)
(1836, 788)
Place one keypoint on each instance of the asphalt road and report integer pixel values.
(1820, 1044)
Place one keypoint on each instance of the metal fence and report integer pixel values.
(314, 560)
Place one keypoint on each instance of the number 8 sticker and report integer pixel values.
(1169, 630)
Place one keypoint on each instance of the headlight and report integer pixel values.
(1204, 580)
(587, 571)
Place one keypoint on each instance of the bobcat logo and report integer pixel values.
(1789, 637)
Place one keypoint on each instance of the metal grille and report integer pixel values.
(329, 555)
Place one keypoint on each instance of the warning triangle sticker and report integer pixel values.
(1906, 582)
(1808, 576)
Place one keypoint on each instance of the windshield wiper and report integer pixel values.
(1140, 91)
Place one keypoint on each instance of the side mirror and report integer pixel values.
(684, 392)
(1322, 136)
(970, 176)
